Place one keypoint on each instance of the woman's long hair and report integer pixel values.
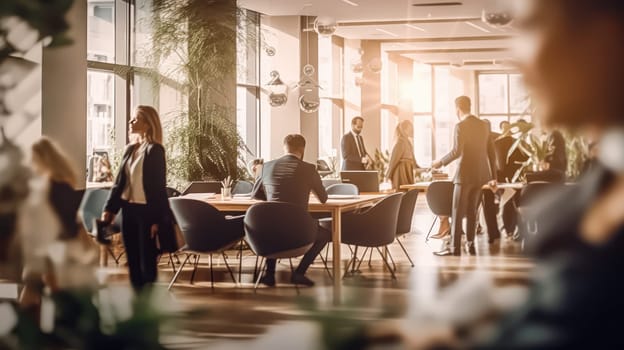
(53, 160)
(154, 134)
(402, 129)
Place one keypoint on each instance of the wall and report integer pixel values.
(276, 122)
(64, 91)
(371, 97)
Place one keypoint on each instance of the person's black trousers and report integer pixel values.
(490, 211)
(323, 237)
(466, 198)
(141, 250)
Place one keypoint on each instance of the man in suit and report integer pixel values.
(290, 179)
(477, 166)
(354, 155)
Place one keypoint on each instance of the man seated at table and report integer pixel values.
(290, 179)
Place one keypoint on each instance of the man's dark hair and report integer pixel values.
(463, 103)
(295, 143)
(354, 120)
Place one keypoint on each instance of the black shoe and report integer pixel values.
(300, 279)
(470, 248)
(101, 232)
(268, 280)
(447, 252)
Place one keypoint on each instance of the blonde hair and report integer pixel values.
(150, 115)
(401, 131)
(50, 157)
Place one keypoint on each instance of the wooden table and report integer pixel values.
(423, 186)
(334, 206)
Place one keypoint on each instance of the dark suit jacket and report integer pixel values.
(473, 146)
(575, 301)
(351, 159)
(507, 166)
(558, 159)
(154, 183)
(289, 179)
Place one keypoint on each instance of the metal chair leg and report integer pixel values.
(211, 273)
(405, 251)
(240, 263)
(194, 267)
(387, 251)
(363, 257)
(326, 266)
(431, 228)
(255, 274)
(386, 262)
(354, 260)
(175, 277)
(370, 258)
(230, 270)
(259, 275)
(292, 271)
(351, 260)
(172, 264)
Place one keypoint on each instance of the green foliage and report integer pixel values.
(193, 42)
(577, 151)
(380, 163)
(81, 323)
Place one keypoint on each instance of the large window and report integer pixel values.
(101, 30)
(330, 114)
(502, 97)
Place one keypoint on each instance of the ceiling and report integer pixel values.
(452, 33)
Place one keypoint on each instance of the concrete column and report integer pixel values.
(64, 91)
(371, 97)
(405, 70)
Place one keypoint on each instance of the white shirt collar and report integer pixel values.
(354, 134)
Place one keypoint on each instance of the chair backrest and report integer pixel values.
(375, 227)
(204, 228)
(91, 207)
(406, 212)
(279, 230)
(329, 182)
(440, 197)
(342, 189)
(242, 187)
(172, 192)
(203, 187)
(537, 189)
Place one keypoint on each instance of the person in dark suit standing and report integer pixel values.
(290, 179)
(354, 155)
(477, 167)
(140, 192)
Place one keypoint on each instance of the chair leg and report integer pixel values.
(240, 263)
(354, 260)
(230, 270)
(326, 266)
(387, 251)
(171, 262)
(431, 228)
(255, 274)
(385, 260)
(175, 277)
(351, 260)
(363, 257)
(259, 274)
(292, 271)
(194, 267)
(211, 273)
(405, 251)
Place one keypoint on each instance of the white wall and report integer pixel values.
(281, 32)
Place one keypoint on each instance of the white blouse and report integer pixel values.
(134, 191)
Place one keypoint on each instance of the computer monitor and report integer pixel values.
(203, 187)
(365, 180)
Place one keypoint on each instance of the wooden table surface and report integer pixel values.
(423, 186)
(334, 206)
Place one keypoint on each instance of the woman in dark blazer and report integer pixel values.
(402, 163)
(140, 192)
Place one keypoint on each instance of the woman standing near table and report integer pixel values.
(402, 161)
(140, 192)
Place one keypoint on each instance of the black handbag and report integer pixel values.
(166, 238)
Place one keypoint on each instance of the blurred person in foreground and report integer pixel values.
(140, 192)
(572, 61)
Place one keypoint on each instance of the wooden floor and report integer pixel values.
(231, 316)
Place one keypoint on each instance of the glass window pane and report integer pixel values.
(519, 101)
(142, 33)
(100, 116)
(422, 88)
(493, 94)
(325, 128)
(101, 30)
(325, 67)
(388, 125)
(247, 47)
(422, 140)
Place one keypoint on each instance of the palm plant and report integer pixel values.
(536, 147)
(193, 44)
(380, 163)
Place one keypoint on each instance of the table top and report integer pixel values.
(242, 203)
(423, 186)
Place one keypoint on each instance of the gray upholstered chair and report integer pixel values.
(206, 231)
(91, 208)
(440, 200)
(404, 220)
(346, 189)
(374, 227)
(277, 230)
